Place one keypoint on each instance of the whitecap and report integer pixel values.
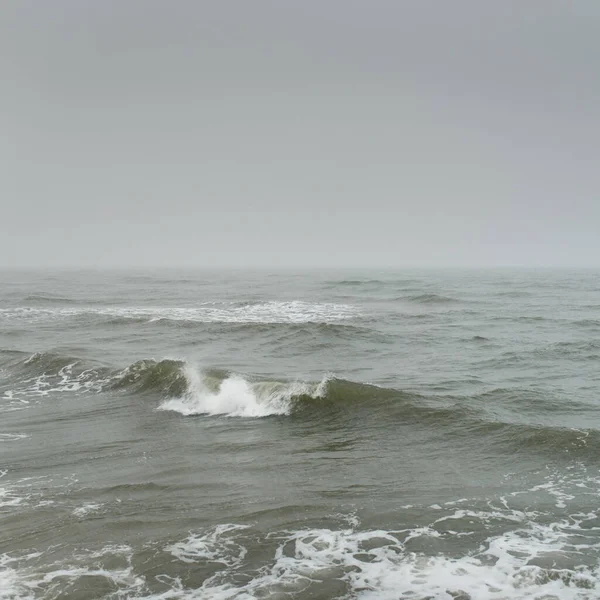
(238, 397)
(295, 311)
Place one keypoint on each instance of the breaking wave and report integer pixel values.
(181, 387)
(528, 561)
(209, 312)
(237, 397)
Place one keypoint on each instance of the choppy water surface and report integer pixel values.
(237, 435)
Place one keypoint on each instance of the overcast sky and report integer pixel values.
(299, 133)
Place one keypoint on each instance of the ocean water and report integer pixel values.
(293, 435)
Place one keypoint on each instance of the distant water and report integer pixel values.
(317, 435)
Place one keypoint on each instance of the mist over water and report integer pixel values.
(328, 434)
(318, 434)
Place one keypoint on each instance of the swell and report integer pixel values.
(354, 282)
(344, 329)
(8, 357)
(296, 337)
(47, 299)
(370, 282)
(166, 377)
(581, 350)
(430, 299)
(509, 418)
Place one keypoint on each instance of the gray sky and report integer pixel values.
(299, 133)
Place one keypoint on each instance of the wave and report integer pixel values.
(295, 311)
(28, 576)
(47, 299)
(13, 437)
(511, 546)
(575, 349)
(587, 323)
(538, 541)
(43, 374)
(530, 560)
(355, 282)
(235, 396)
(523, 319)
(497, 415)
(182, 387)
(166, 377)
(518, 419)
(286, 330)
(430, 299)
(11, 356)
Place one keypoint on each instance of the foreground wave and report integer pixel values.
(510, 552)
(181, 387)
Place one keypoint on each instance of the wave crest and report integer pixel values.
(235, 396)
(165, 376)
(269, 312)
(430, 299)
(178, 386)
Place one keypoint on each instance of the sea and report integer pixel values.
(413, 434)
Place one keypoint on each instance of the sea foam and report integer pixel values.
(295, 311)
(237, 397)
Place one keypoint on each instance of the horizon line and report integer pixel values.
(230, 267)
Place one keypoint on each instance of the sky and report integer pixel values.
(313, 133)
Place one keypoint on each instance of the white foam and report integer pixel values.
(30, 492)
(237, 397)
(375, 565)
(533, 556)
(85, 509)
(11, 584)
(12, 437)
(531, 561)
(66, 380)
(9, 498)
(11, 401)
(221, 312)
(214, 545)
(18, 579)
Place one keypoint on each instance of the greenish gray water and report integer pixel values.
(235, 435)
